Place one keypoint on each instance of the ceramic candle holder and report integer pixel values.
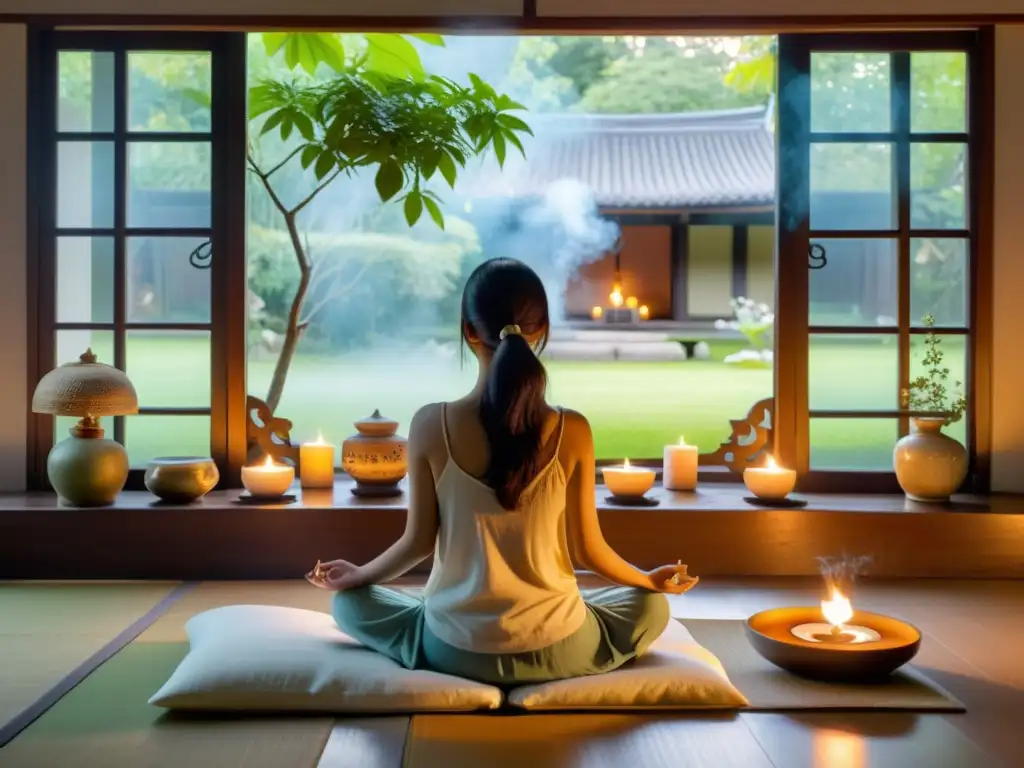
(772, 482)
(628, 482)
(268, 480)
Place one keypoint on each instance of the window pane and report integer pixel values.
(864, 445)
(857, 286)
(853, 373)
(85, 184)
(170, 369)
(85, 280)
(954, 351)
(850, 92)
(852, 186)
(163, 285)
(938, 91)
(169, 184)
(169, 91)
(85, 91)
(938, 178)
(939, 278)
(148, 437)
(70, 345)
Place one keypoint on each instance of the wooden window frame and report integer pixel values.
(227, 325)
(793, 330)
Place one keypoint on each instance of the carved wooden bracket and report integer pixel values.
(749, 436)
(268, 435)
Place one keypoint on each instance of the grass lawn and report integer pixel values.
(634, 408)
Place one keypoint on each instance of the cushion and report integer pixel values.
(675, 673)
(261, 657)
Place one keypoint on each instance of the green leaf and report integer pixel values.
(504, 102)
(512, 139)
(481, 87)
(514, 123)
(262, 98)
(446, 166)
(286, 126)
(429, 38)
(327, 48)
(273, 121)
(498, 142)
(393, 55)
(324, 165)
(435, 211)
(389, 179)
(272, 41)
(413, 207)
(309, 154)
(292, 50)
(305, 126)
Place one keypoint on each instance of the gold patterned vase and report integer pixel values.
(930, 466)
(375, 457)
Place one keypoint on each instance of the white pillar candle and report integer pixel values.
(679, 472)
(631, 482)
(771, 481)
(316, 464)
(268, 480)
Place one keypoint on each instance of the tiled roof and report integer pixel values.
(657, 161)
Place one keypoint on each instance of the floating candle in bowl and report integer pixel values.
(316, 464)
(627, 481)
(771, 481)
(268, 480)
(680, 467)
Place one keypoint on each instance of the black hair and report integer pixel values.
(502, 293)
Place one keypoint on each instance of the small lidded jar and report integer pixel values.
(376, 457)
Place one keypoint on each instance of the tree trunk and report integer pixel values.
(293, 332)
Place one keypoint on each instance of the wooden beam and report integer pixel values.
(680, 234)
(739, 260)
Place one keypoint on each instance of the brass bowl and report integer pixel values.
(181, 479)
(770, 634)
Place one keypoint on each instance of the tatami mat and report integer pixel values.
(106, 721)
(769, 688)
(47, 630)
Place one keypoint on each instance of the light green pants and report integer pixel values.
(621, 624)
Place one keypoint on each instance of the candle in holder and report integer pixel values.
(596, 313)
(645, 312)
(632, 302)
(268, 480)
(627, 481)
(771, 481)
(680, 467)
(316, 464)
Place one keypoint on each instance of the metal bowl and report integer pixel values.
(770, 632)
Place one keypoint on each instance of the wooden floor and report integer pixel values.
(974, 638)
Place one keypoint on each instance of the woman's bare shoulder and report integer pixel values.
(576, 432)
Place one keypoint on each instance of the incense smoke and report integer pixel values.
(842, 572)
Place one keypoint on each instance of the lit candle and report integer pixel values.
(632, 303)
(679, 472)
(770, 481)
(596, 313)
(645, 313)
(838, 612)
(627, 481)
(268, 480)
(316, 464)
(615, 297)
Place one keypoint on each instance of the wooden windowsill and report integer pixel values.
(727, 497)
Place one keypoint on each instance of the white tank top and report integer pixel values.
(502, 580)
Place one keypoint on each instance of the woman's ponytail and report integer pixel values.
(504, 309)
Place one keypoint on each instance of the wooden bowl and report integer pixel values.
(770, 634)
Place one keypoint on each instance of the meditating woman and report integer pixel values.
(501, 492)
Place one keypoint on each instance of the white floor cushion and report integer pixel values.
(267, 658)
(675, 673)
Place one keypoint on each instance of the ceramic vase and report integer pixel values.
(375, 457)
(930, 466)
(181, 479)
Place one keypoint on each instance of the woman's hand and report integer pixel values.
(337, 575)
(672, 579)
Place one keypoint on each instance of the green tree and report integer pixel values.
(378, 112)
(668, 75)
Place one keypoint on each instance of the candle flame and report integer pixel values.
(770, 464)
(625, 464)
(320, 438)
(837, 609)
(269, 462)
(615, 297)
(682, 441)
(644, 312)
